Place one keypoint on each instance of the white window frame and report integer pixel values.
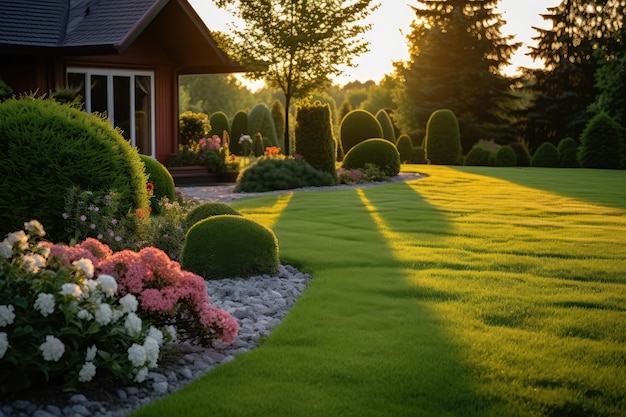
(110, 73)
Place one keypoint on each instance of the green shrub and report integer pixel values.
(405, 148)
(260, 120)
(278, 115)
(602, 143)
(46, 149)
(206, 210)
(219, 124)
(522, 156)
(192, 127)
(230, 246)
(376, 151)
(161, 179)
(357, 126)
(386, 124)
(568, 153)
(418, 155)
(6, 92)
(477, 156)
(314, 136)
(238, 128)
(443, 138)
(505, 157)
(547, 156)
(280, 173)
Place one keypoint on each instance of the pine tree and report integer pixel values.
(456, 53)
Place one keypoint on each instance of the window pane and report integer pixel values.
(143, 114)
(121, 105)
(99, 98)
(77, 82)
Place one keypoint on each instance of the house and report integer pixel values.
(123, 56)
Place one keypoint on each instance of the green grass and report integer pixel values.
(472, 292)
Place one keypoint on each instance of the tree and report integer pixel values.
(456, 54)
(295, 45)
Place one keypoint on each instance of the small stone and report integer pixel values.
(160, 387)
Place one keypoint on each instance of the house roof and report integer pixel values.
(90, 27)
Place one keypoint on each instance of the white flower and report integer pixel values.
(87, 372)
(71, 289)
(171, 330)
(141, 374)
(91, 353)
(84, 315)
(156, 334)
(103, 314)
(85, 265)
(32, 262)
(117, 314)
(108, 283)
(137, 355)
(4, 344)
(18, 237)
(245, 138)
(91, 284)
(35, 228)
(129, 303)
(133, 324)
(6, 249)
(6, 315)
(44, 250)
(45, 304)
(151, 347)
(52, 349)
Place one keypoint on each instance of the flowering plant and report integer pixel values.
(272, 151)
(206, 151)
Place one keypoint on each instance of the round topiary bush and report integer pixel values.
(377, 151)
(477, 156)
(505, 157)
(443, 138)
(405, 148)
(357, 126)
(279, 173)
(46, 149)
(161, 179)
(230, 246)
(219, 124)
(568, 153)
(522, 155)
(602, 143)
(206, 210)
(547, 156)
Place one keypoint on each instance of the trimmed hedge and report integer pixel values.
(546, 156)
(357, 126)
(568, 153)
(314, 136)
(279, 173)
(477, 156)
(206, 210)
(602, 143)
(161, 179)
(405, 148)
(376, 151)
(389, 132)
(505, 157)
(219, 124)
(238, 128)
(443, 138)
(260, 120)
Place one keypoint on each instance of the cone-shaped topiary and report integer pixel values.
(238, 128)
(443, 138)
(314, 136)
(405, 148)
(477, 156)
(602, 143)
(219, 124)
(568, 153)
(161, 179)
(260, 120)
(357, 126)
(230, 246)
(389, 132)
(377, 151)
(206, 210)
(547, 156)
(46, 148)
(505, 157)
(522, 155)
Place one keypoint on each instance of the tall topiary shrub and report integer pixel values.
(443, 138)
(161, 180)
(547, 156)
(568, 153)
(278, 115)
(389, 132)
(192, 127)
(219, 124)
(314, 136)
(357, 126)
(602, 143)
(238, 128)
(229, 246)
(505, 157)
(260, 120)
(405, 148)
(46, 149)
(376, 151)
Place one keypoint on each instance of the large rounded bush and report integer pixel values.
(161, 179)
(357, 126)
(602, 143)
(46, 148)
(230, 246)
(268, 174)
(477, 156)
(443, 138)
(405, 148)
(547, 156)
(505, 157)
(206, 210)
(568, 153)
(377, 151)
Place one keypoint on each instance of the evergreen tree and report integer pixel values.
(456, 53)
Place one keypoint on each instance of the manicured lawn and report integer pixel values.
(472, 292)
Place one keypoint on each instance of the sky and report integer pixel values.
(390, 24)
